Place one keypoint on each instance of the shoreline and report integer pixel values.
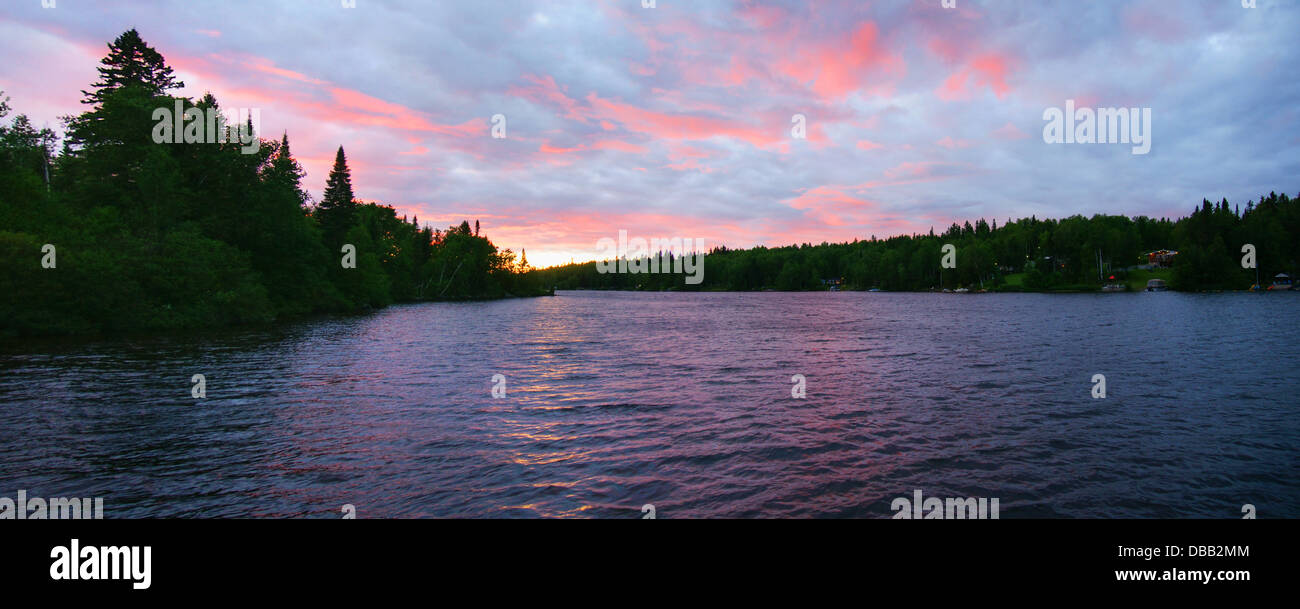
(280, 322)
(288, 321)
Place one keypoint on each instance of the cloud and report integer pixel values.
(953, 144)
(677, 120)
(1009, 132)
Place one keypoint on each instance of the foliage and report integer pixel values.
(1041, 254)
(168, 236)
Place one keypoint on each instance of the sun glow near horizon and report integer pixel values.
(907, 116)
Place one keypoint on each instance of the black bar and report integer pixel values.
(322, 557)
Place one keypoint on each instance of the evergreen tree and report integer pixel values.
(110, 145)
(132, 63)
(156, 236)
(285, 172)
(337, 211)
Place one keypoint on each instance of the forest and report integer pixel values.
(116, 232)
(1071, 254)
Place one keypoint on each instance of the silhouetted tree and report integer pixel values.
(338, 209)
(132, 63)
(176, 235)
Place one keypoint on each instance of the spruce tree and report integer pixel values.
(108, 144)
(337, 210)
(132, 63)
(285, 172)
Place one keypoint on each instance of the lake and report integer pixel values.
(614, 400)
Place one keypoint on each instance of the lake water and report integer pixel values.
(615, 400)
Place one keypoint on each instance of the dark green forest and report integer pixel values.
(114, 232)
(1073, 254)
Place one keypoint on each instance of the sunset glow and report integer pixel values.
(916, 116)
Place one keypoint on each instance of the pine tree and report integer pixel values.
(337, 210)
(109, 144)
(285, 172)
(132, 63)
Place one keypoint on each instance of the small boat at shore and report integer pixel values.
(1281, 282)
(1156, 285)
(1114, 287)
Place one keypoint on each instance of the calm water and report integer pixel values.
(615, 400)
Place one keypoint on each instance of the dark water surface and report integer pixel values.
(683, 401)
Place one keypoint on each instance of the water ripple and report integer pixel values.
(615, 400)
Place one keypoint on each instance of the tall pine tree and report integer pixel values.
(284, 172)
(337, 211)
(111, 146)
(132, 63)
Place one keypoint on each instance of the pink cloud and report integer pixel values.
(1009, 132)
(265, 66)
(988, 70)
(681, 126)
(946, 48)
(832, 207)
(547, 148)
(545, 91)
(618, 145)
(836, 68)
(762, 17)
(952, 144)
(611, 144)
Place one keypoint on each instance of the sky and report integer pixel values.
(683, 119)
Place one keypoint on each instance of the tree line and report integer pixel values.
(1074, 253)
(116, 232)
